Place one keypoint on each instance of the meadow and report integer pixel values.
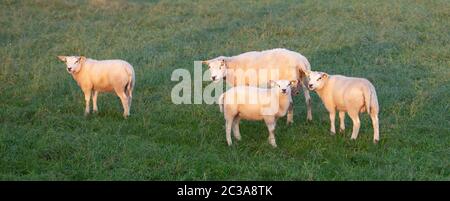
(402, 47)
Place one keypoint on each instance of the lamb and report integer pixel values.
(257, 67)
(94, 76)
(252, 103)
(346, 94)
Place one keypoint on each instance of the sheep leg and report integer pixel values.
(308, 102)
(332, 122)
(341, 122)
(271, 123)
(87, 99)
(124, 99)
(228, 125)
(290, 114)
(376, 132)
(129, 94)
(236, 132)
(94, 100)
(354, 115)
(130, 97)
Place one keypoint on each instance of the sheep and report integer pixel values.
(346, 94)
(253, 103)
(94, 76)
(249, 68)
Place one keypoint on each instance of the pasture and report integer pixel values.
(402, 47)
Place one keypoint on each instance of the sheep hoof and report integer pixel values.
(273, 143)
(375, 141)
(289, 122)
(95, 111)
(341, 131)
(333, 133)
(238, 138)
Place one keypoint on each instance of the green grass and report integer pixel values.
(403, 47)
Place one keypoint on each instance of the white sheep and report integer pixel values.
(94, 76)
(252, 103)
(258, 67)
(346, 94)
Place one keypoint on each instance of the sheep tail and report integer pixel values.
(130, 85)
(303, 66)
(367, 92)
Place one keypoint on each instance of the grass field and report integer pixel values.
(403, 47)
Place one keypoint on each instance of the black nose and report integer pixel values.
(213, 77)
(284, 90)
(310, 85)
(69, 69)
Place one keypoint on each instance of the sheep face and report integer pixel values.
(316, 80)
(218, 69)
(284, 86)
(73, 63)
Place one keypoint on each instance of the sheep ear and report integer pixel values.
(62, 58)
(324, 75)
(293, 82)
(223, 62)
(307, 73)
(82, 59)
(205, 62)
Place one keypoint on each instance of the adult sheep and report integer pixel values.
(346, 94)
(94, 76)
(258, 67)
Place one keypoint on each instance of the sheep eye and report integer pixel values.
(319, 78)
